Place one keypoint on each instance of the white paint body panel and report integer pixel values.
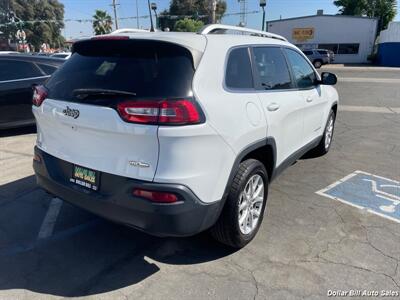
(98, 139)
(195, 156)
(286, 124)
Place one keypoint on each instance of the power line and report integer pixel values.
(16, 23)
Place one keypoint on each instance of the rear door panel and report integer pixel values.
(16, 101)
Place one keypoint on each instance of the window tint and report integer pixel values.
(150, 69)
(323, 52)
(307, 52)
(348, 48)
(271, 68)
(302, 71)
(47, 68)
(238, 70)
(331, 47)
(15, 69)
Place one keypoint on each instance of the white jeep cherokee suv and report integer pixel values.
(176, 133)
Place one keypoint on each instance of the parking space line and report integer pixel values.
(349, 199)
(321, 192)
(369, 80)
(46, 230)
(370, 109)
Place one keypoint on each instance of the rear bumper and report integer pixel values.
(114, 200)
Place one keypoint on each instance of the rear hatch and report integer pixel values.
(80, 121)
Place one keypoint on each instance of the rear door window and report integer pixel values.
(149, 69)
(271, 69)
(16, 69)
(238, 70)
(48, 69)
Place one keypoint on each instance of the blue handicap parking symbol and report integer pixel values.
(374, 193)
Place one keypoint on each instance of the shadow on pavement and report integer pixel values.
(85, 255)
(17, 131)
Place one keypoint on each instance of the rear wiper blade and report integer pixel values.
(84, 93)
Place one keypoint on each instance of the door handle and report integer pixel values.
(273, 106)
(309, 99)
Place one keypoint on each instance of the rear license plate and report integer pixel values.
(85, 177)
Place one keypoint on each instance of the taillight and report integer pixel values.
(110, 37)
(154, 196)
(166, 112)
(39, 95)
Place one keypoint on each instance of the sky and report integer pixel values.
(84, 9)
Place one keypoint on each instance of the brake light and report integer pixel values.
(110, 37)
(166, 112)
(39, 95)
(159, 197)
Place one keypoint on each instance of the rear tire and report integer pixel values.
(317, 64)
(244, 208)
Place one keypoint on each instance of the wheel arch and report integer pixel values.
(263, 150)
(335, 108)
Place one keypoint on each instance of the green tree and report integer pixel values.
(102, 22)
(350, 7)
(188, 25)
(384, 10)
(197, 7)
(42, 20)
(194, 9)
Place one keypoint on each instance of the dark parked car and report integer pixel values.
(17, 75)
(319, 57)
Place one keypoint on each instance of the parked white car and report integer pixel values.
(175, 133)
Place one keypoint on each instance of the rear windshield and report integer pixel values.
(323, 52)
(149, 69)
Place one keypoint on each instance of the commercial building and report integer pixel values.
(389, 46)
(351, 38)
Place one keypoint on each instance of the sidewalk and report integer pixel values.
(355, 67)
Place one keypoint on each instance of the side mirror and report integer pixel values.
(328, 78)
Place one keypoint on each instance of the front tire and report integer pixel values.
(326, 141)
(243, 212)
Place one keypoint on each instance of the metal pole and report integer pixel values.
(263, 19)
(151, 17)
(137, 14)
(115, 14)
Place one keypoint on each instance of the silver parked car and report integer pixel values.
(320, 57)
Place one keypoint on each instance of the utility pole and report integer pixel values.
(263, 3)
(137, 14)
(151, 17)
(243, 13)
(114, 5)
(213, 6)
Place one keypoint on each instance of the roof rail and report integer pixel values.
(222, 29)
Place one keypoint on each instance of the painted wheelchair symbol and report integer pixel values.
(385, 195)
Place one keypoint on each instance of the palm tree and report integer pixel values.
(102, 23)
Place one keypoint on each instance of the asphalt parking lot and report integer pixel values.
(308, 243)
